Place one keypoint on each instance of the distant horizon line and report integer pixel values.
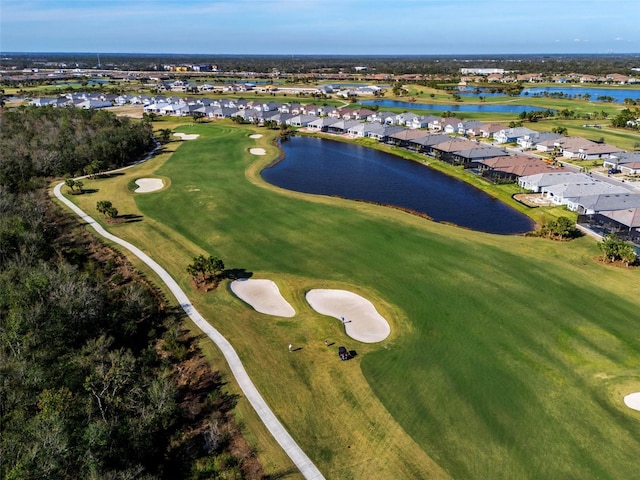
(370, 55)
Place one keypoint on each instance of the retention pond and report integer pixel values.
(326, 167)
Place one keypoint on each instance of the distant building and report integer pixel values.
(481, 71)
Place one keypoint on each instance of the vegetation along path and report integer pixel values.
(293, 450)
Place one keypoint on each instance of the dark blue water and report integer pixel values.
(325, 167)
(618, 94)
(576, 92)
(487, 107)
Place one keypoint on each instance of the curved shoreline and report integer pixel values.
(411, 211)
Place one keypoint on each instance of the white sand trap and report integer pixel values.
(256, 135)
(257, 151)
(146, 185)
(362, 321)
(186, 136)
(633, 401)
(263, 295)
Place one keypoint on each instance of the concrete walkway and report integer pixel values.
(304, 464)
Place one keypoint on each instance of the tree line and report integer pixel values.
(40, 142)
(98, 379)
(304, 64)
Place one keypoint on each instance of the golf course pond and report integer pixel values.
(475, 108)
(325, 167)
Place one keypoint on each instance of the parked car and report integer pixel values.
(343, 353)
(613, 171)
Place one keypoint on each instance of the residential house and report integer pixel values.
(561, 194)
(224, 112)
(449, 125)
(632, 168)
(470, 128)
(622, 160)
(577, 147)
(405, 118)
(322, 124)
(382, 117)
(489, 129)
(509, 168)
(528, 142)
(362, 113)
(535, 183)
(572, 144)
(92, 103)
(44, 101)
(175, 109)
(446, 150)
(472, 156)
(421, 121)
(381, 132)
(439, 124)
(425, 143)
(591, 204)
(301, 120)
(342, 126)
(402, 138)
(509, 135)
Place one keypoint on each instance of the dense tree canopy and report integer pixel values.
(97, 378)
(40, 142)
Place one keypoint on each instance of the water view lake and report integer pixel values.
(487, 108)
(618, 94)
(325, 167)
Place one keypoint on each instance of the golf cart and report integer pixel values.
(343, 353)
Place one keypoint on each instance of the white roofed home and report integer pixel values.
(535, 183)
(301, 120)
(421, 121)
(440, 124)
(623, 159)
(405, 118)
(322, 124)
(470, 127)
(561, 194)
(382, 117)
(595, 203)
(357, 130)
(512, 134)
(490, 129)
(531, 140)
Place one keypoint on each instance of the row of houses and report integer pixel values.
(601, 207)
(499, 75)
(474, 145)
(361, 122)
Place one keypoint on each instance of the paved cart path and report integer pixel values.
(293, 450)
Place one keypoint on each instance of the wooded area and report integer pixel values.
(301, 64)
(98, 379)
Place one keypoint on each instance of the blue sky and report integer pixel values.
(349, 27)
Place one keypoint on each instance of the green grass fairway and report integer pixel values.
(509, 356)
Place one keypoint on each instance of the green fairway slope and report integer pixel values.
(508, 357)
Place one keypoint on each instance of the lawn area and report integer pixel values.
(508, 358)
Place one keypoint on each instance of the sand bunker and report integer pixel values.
(186, 136)
(633, 401)
(146, 185)
(257, 151)
(256, 135)
(362, 321)
(263, 295)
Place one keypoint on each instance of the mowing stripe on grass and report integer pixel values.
(293, 450)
